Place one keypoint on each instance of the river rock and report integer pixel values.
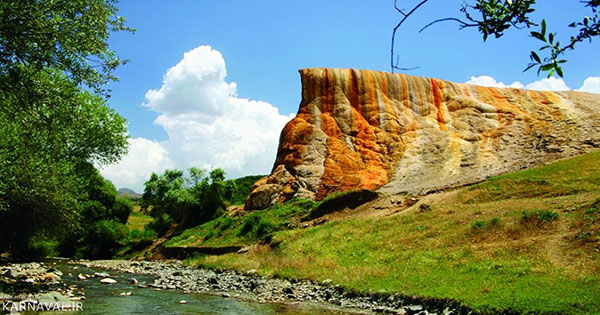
(108, 281)
(54, 297)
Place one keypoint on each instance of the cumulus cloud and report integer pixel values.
(548, 84)
(207, 124)
(591, 85)
(144, 157)
(485, 80)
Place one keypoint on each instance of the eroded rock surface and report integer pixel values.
(405, 134)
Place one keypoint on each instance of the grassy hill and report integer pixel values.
(527, 241)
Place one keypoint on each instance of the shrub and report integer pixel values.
(121, 209)
(136, 235)
(103, 240)
(41, 247)
(159, 224)
(479, 225)
(484, 225)
(538, 217)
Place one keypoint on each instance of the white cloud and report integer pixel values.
(207, 124)
(591, 85)
(144, 157)
(548, 84)
(485, 80)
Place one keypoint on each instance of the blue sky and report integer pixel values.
(264, 43)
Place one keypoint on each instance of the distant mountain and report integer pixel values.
(126, 192)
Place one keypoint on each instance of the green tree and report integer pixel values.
(68, 35)
(494, 17)
(172, 198)
(54, 61)
(98, 230)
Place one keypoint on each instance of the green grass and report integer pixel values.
(247, 229)
(567, 177)
(137, 219)
(526, 241)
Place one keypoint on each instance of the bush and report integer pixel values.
(160, 224)
(41, 247)
(539, 216)
(495, 221)
(121, 209)
(484, 225)
(136, 235)
(479, 225)
(104, 239)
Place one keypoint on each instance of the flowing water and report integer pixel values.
(106, 298)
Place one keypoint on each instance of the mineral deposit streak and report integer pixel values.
(405, 134)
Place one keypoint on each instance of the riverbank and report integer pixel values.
(36, 286)
(528, 242)
(173, 275)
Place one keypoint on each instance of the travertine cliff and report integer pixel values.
(405, 134)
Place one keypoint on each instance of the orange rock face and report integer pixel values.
(405, 134)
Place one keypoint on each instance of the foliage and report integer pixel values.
(242, 188)
(98, 230)
(174, 198)
(68, 35)
(247, 228)
(479, 225)
(53, 115)
(497, 16)
(121, 209)
(539, 216)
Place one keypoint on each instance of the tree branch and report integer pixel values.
(462, 23)
(406, 15)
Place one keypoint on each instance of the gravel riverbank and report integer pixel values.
(36, 287)
(172, 275)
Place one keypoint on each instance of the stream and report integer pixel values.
(124, 297)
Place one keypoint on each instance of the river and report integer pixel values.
(107, 298)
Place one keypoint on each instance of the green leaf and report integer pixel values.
(559, 71)
(535, 57)
(538, 36)
(544, 27)
(547, 67)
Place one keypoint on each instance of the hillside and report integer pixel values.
(527, 241)
(126, 192)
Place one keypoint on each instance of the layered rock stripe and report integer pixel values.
(404, 134)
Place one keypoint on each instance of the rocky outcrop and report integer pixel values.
(405, 134)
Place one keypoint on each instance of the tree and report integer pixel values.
(497, 16)
(54, 61)
(173, 198)
(100, 217)
(69, 35)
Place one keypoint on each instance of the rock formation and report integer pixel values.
(405, 134)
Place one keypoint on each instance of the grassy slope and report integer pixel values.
(138, 219)
(473, 245)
